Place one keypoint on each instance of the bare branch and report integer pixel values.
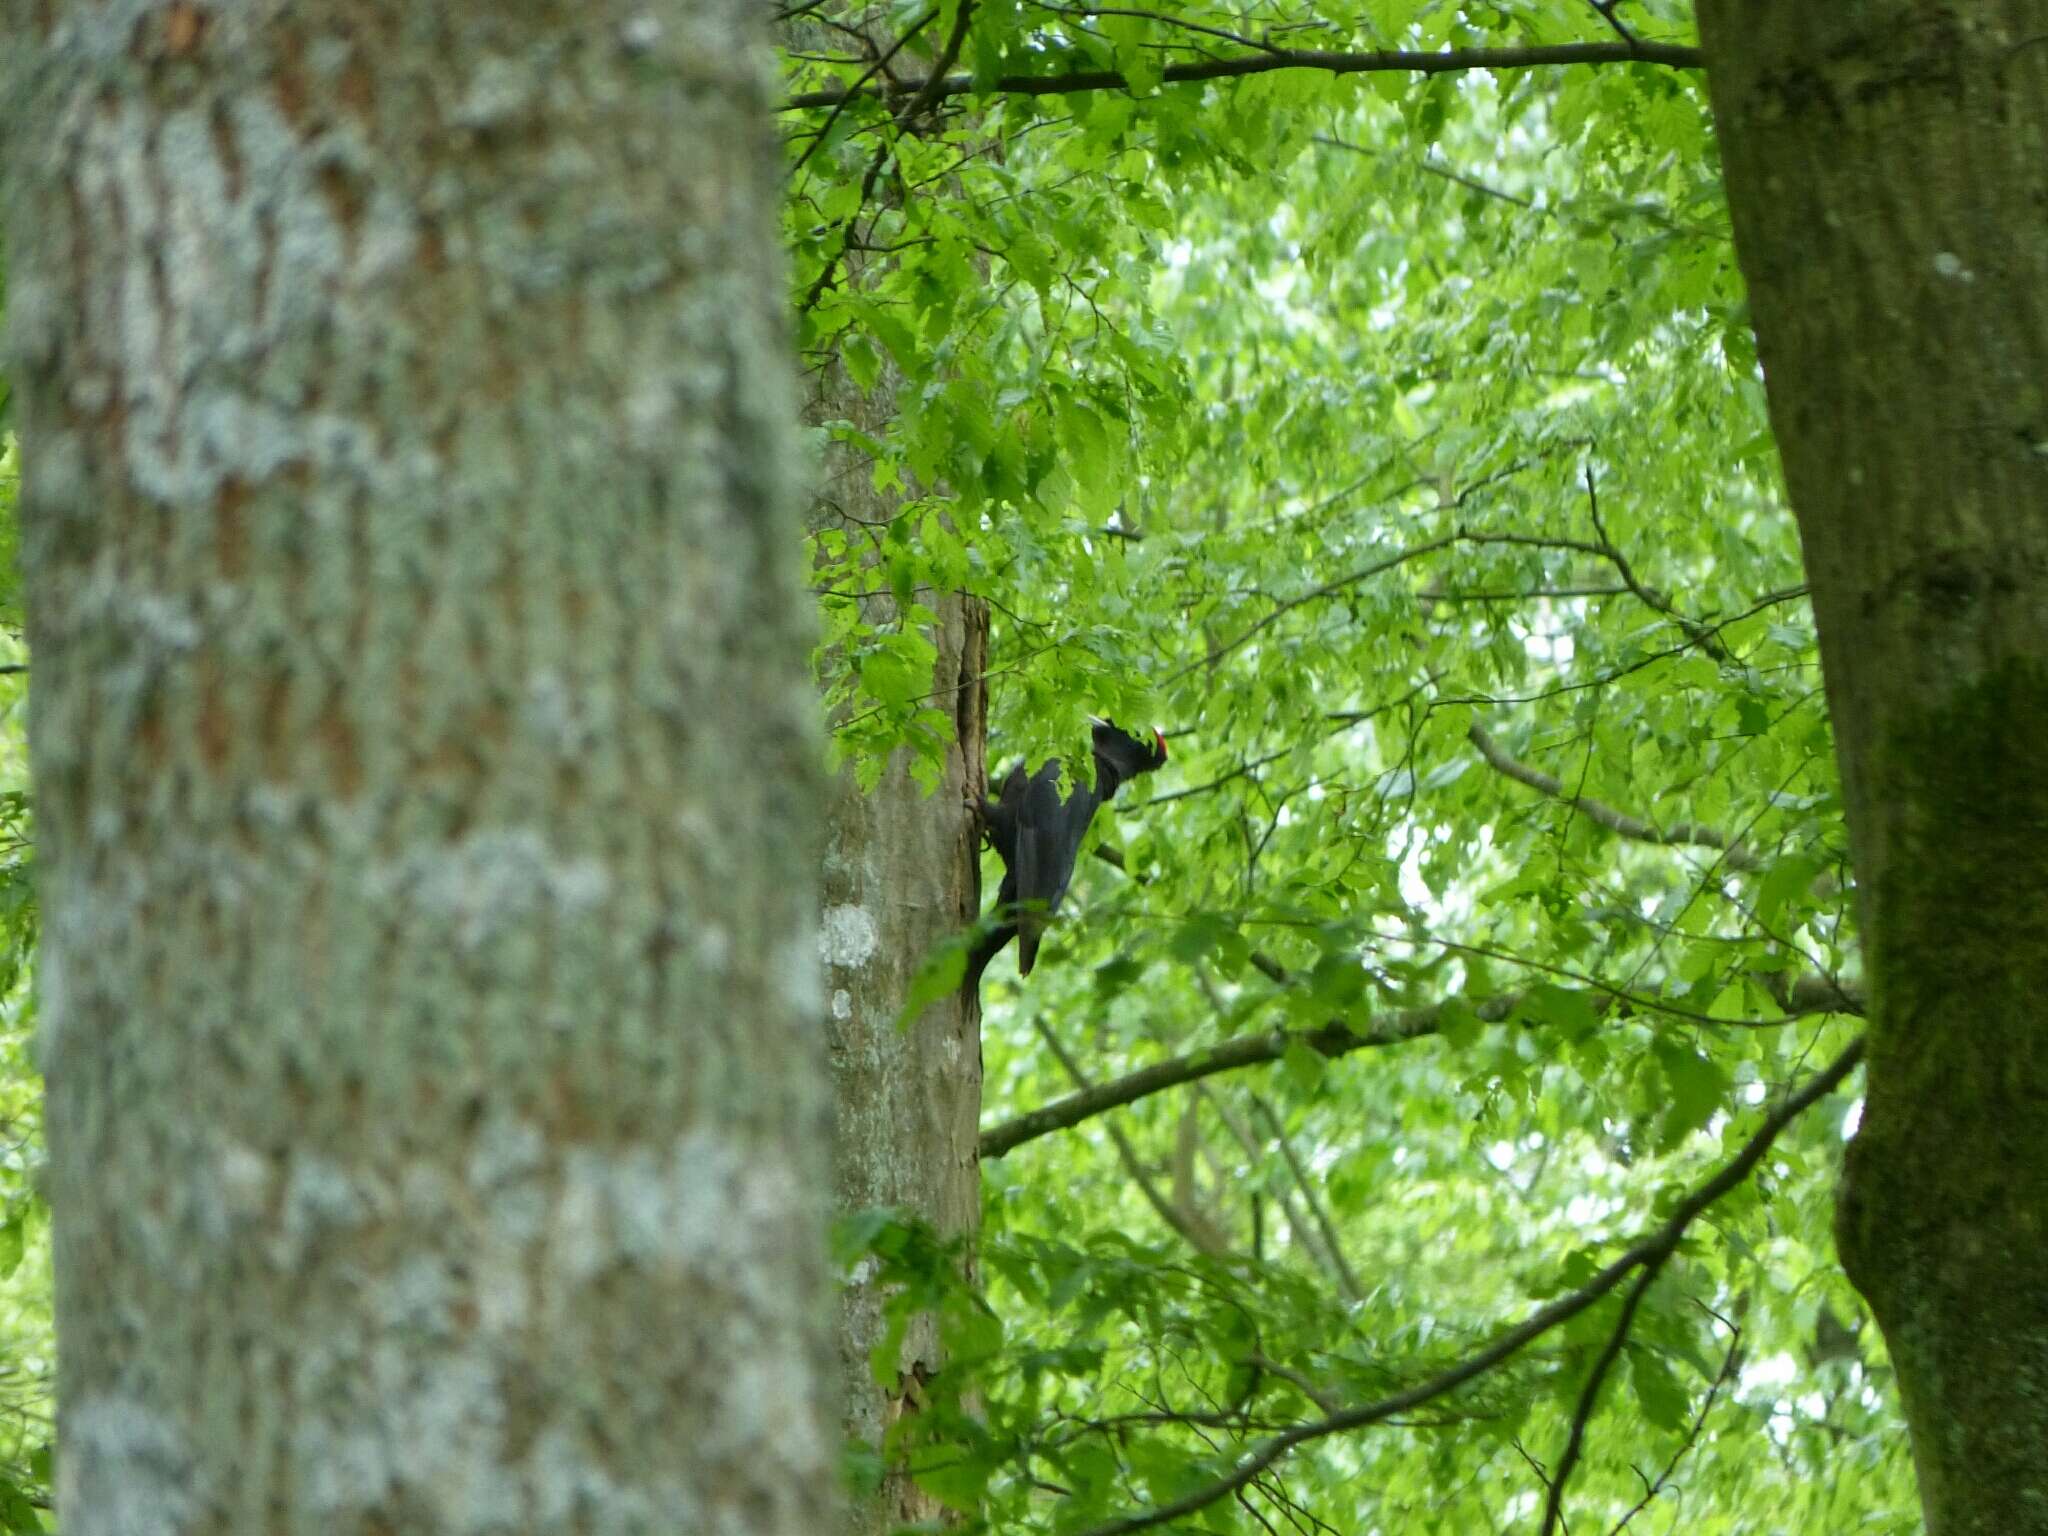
(1333, 1039)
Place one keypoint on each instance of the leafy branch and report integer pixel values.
(1736, 854)
(1340, 1037)
(1648, 1253)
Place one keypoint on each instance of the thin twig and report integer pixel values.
(1589, 1395)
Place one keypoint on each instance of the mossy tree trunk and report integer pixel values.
(1886, 172)
(426, 789)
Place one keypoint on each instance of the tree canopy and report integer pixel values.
(1426, 1113)
(1366, 394)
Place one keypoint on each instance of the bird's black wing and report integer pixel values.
(1049, 833)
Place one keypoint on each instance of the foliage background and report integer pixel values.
(1396, 441)
(1399, 443)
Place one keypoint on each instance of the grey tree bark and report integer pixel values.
(1885, 171)
(425, 771)
(902, 873)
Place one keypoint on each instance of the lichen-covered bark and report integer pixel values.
(426, 784)
(1885, 170)
(902, 873)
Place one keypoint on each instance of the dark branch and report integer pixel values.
(1235, 66)
(1589, 1395)
(1339, 1038)
(1699, 1421)
(1333, 1039)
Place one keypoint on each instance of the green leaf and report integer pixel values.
(1305, 1066)
(1696, 1087)
(13, 1243)
(1658, 1391)
(942, 974)
(1570, 1011)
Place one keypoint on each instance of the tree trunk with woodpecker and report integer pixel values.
(902, 874)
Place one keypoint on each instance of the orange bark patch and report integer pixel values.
(344, 756)
(231, 527)
(184, 26)
(227, 149)
(433, 249)
(343, 196)
(216, 733)
(291, 78)
(358, 91)
(274, 726)
(150, 740)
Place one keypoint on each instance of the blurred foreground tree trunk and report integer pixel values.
(1885, 169)
(426, 786)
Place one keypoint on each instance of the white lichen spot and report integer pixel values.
(551, 714)
(416, 1298)
(340, 1468)
(848, 938)
(53, 1002)
(493, 882)
(320, 1197)
(707, 1208)
(503, 1301)
(505, 1165)
(1949, 265)
(428, 1196)
(650, 411)
(35, 319)
(499, 90)
(428, 1425)
(389, 237)
(842, 1004)
(714, 948)
(125, 1471)
(767, 1405)
(582, 1246)
(506, 1148)
(165, 621)
(640, 32)
(242, 1182)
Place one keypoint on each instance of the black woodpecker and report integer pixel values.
(1039, 837)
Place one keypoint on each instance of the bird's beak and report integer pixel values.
(1160, 736)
